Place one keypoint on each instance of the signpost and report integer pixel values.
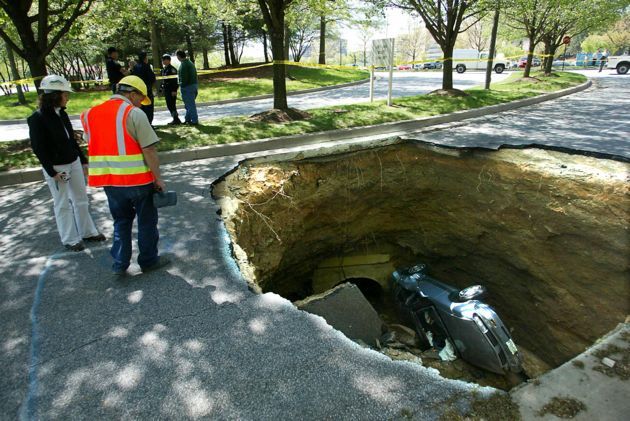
(382, 56)
(566, 41)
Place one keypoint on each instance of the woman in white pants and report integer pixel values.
(64, 164)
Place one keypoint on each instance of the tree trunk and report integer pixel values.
(226, 50)
(191, 53)
(155, 46)
(206, 62)
(15, 74)
(447, 68)
(287, 37)
(279, 71)
(37, 66)
(551, 50)
(493, 44)
(530, 56)
(230, 37)
(322, 40)
(265, 47)
(364, 56)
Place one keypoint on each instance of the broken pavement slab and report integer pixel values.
(584, 379)
(346, 309)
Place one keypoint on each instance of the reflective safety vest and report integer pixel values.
(115, 158)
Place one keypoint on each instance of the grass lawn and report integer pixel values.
(234, 129)
(226, 85)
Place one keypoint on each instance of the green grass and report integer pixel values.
(209, 90)
(235, 129)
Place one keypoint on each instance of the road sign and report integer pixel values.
(383, 52)
(566, 40)
(383, 56)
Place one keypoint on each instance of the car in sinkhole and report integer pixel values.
(441, 313)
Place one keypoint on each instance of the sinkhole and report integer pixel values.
(545, 231)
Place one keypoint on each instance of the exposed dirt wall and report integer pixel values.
(547, 232)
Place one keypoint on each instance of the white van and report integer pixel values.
(470, 59)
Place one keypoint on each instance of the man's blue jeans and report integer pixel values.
(189, 95)
(124, 204)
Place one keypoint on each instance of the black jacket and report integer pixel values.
(145, 72)
(50, 142)
(169, 85)
(114, 73)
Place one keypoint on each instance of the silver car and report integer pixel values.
(440, 312)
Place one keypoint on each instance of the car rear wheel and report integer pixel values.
(460, 68)
(499, 68)
(622, 68)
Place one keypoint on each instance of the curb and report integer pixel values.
(224, 101)
(391, 129)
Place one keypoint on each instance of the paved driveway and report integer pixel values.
(596, 120)
(405, 84)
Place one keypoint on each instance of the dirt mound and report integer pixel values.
(280, 116)
(448, 92)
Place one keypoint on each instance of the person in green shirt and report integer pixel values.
(187, 76)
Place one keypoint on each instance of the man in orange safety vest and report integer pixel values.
(123, 160)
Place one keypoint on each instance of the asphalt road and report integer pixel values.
(192, 341)
(404, 84)
(597, 120)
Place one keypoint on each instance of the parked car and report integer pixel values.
(441, 313)
(432, 65)
(522, 62)
(404, 67)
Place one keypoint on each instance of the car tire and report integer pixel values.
(499, 68)
(622, 68)
(460, 68)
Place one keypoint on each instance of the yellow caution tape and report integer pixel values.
(199, 72)
(285, 62)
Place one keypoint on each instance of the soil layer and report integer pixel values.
(545, 231)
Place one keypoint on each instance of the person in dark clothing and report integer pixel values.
(64, 164)
(188, 83)
(145, 72)
(115, 71)
(169, 87)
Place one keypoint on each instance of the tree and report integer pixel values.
(412, 45)
(53, 19)
(303, 22)
(574, 17)
(273, 12)
(15, 74)
(367, 25)
(443, 20)
(329, 11)
(619, 35)
(477, 37)
(532, 17)
(493, 43)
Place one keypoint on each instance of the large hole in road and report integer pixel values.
(545, 231)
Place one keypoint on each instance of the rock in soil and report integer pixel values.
(345, 308)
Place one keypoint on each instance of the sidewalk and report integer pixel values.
(192, 341)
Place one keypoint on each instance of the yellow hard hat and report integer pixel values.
(138, 85)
